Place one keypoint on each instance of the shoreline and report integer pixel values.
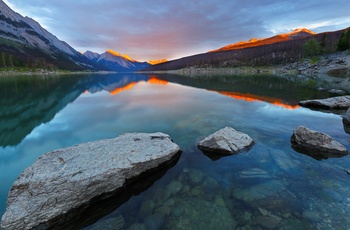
(332, 64)
(42, 72)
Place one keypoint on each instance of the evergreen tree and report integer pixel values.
(323, 43)
(344, 41)
(311, 48)
(3, 55)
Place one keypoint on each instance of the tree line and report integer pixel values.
(314, 47)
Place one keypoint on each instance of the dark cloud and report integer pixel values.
(158, 29)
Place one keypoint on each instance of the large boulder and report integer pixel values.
(48, 192)
(226, 141)
(341, 102)
(316, 144)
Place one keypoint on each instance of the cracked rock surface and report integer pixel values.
(63, 180)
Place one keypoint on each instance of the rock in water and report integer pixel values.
(342, 102)
(315, 144)
(346, 117)
(226, 141)
(62, 181)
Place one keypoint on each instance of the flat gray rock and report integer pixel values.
(341, 102)
(316, 144)
(64, 180)
(226, 141)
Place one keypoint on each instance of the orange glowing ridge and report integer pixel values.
(85, 92)
(299, 32)
(155, 80)
(252, 98)
(120, 89)
(114, 53)
(155, 62)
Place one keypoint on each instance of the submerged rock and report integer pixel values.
(195, 213)
(226, 141)
(316, 144)
(51, 191)
(341, 102)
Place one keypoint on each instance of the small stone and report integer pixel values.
(137, 226)
(155, 222)
(312, 216)
(169, 202)
(165, 210)
(146, 208)
(254, 173)
(195, 176)
(174, 187)
(267, 222)
(226, 141)
(195, 191)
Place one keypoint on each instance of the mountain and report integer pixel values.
(295, 34)
(155, 62)
(114, 61)
(24, 43)
(279, 49)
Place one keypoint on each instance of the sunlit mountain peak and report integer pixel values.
(155, 62)
(115, 53)
(295, 34)
(301, 30)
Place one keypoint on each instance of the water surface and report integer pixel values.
(270, 186)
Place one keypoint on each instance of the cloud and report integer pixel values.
(158, 29)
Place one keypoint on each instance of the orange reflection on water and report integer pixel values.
(155, 80)
(251, 98)
(120, 89)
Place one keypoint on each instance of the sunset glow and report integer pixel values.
(114, 53)
(155, 80)
(155, 62)
(145, 31)
(253, 98)
(121, 89)
(264, 41)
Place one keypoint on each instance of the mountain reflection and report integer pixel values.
(272, 89)
(29, 101)
(252, 98)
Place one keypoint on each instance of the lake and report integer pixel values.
(269, 186)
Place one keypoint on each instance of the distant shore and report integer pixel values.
(331, 64)
(25, 72)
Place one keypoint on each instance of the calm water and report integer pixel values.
(270, 186)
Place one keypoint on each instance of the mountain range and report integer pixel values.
(276, 50)
(113, 61)
(25, 43)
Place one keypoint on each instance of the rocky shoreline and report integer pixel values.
(333, 64)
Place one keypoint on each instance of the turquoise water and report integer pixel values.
(270, 186)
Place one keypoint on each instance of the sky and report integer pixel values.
(156, 29)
